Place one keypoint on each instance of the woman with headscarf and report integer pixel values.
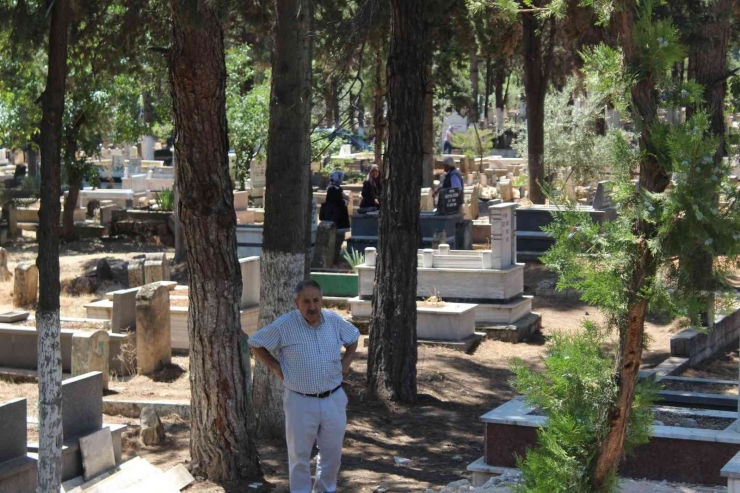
(335, 208)
(371, 188)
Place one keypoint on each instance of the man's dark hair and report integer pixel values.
(306, 284)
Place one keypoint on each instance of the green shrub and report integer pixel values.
(353, 258)
(575, 391)
(165, 199)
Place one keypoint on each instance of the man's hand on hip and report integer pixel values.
(268, 359)
(349, 355)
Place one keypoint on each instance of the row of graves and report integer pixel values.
(464, 295)
(130, 331)
(92, 456)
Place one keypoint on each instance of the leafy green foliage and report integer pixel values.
(353, 258)
(165, 199)
(575, 391)
(247, 109)
(475, 143)
(573, 144)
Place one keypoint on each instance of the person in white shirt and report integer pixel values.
(304, 348)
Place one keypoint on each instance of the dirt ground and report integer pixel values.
(440, 433)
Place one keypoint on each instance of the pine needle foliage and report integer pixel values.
(575, 391)
(648, 256)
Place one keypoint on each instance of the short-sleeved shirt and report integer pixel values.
(310, 358)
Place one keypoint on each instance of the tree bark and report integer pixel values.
(709, 60)
(653, 178)
(335, 104)
(535, 85)
(428, 130)
(486, 101)
(288, 163)
(47, 312)
(221, 447)
(68, 219)
(378, 101)
(500, 80)
(391, 371)
(473, 109)
(33, 163)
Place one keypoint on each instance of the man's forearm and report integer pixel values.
(349, 354)
(267, 358)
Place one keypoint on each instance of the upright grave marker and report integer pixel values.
(153, 329)
(26, 285)
(503, 230)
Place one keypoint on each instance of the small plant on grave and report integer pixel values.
(127, 356)
(353, 258)
(434, 299)
(520, 181)
(575, 391)
(165, 199)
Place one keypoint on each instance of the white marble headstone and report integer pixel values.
(503, 235)
(258, 174)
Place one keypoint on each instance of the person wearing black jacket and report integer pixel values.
(335, 207)
(371, 189)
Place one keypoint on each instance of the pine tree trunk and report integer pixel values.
(428, 130)
(68, 215)
(499, 81)
(653, 178)
(708, 53)
(489, 81)
(288, 163)
(391, 369)
(47, 312)
(535, 87)
(473, 109)
(221, 447)
(33, 161)
(378, 100)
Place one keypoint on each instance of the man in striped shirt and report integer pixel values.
(304, 349)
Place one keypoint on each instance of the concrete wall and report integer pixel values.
(698, 346)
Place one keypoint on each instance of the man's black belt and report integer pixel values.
(321, 395)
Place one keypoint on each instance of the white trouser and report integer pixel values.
(310, 420)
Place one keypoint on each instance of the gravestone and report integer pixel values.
(10, 216)
(134, 166)
(258, 174)
(97, 453)
(323, 256)
(82, 404)
(135, 273)
(251, 281)
(505, 190)
(5, 274)
(503, 240)
(602, 199)
(26, 286)
(90, 352)
(13, 430)
(153, 271)
(153, 339)
(464, 235)
(156, 268)
(123, 318)
(449, 202)
(18, 470)
(117, 164)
